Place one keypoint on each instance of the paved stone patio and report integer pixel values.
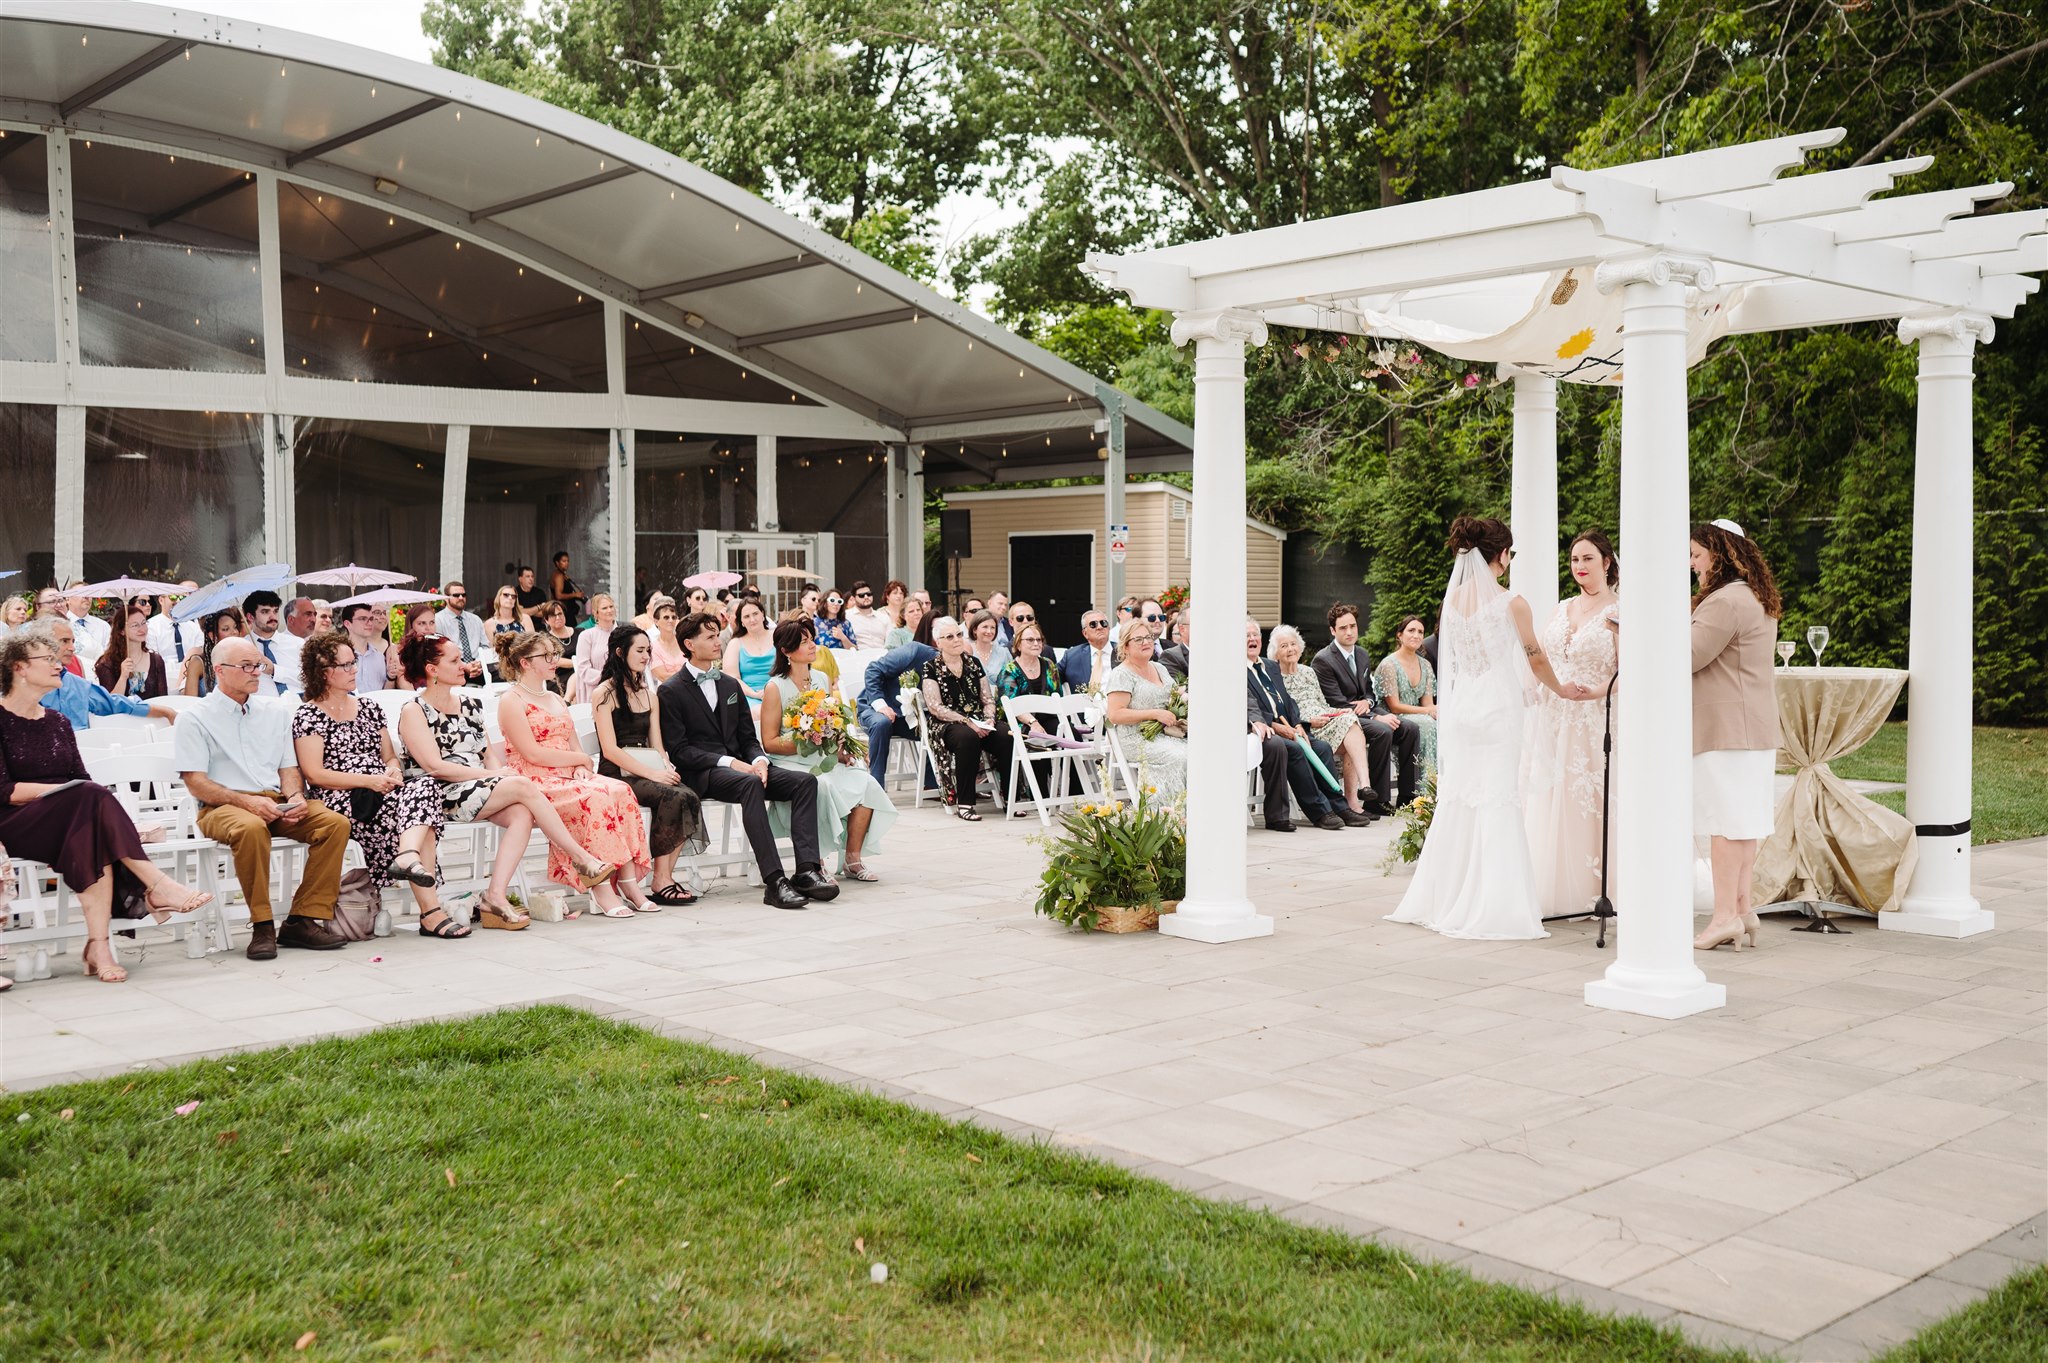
(1852, 1148)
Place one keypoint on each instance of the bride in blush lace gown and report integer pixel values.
(1562, 761)
(1474, 879)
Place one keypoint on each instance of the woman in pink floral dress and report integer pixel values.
(540, 744)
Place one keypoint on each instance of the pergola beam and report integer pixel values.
(425, 106)
(603, 177)
(831, 328)
(133, 71)
(740, 275)
(193, 205)
(1033, 420)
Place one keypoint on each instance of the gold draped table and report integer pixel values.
(1831, 844)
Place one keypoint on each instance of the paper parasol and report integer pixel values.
(355, 577)
(229, 591)
(712, 580)
(127, 588)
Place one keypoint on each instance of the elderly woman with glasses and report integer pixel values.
(1030, 672)
(1137, 690)
(961, 706)
(52, 811)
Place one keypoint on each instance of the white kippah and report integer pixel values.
(1730, 526)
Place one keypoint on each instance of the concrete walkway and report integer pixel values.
(1852, 1148)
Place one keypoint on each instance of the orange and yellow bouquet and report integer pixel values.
(826, 730)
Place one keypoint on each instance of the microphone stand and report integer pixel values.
(1603, 907)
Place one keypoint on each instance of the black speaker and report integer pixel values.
(956, 534)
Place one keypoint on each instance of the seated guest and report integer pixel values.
(128, 668)
(827, 664)
(1089, 661)
(93, 634)
(563, 588)
(13, 614)
(1346, 678)
(364, 625)
(238, 763)
(555, 624)
(591, 647)
(323, 615)
(1019, 614)
(420, 619)
(877, 703)
(971, 608)
(263, 625)
(999, 607)
(1333, 725)
(853, 809)
(983, 642)
(1405, 684)
(1127, 609)
(1174, 657)
(913, 612)
(172, 639)
(442, 731)
(80, 832)
(712, 741)
(1137, 689)
(345, 755)
(77, 699)
(696, 601)
(960, 706)
(506, 617)
(299, 619)
(665, 652)
(1274, 717)
(1029, 673)
(867, 619)
(894, 595)
(456, 621)
(630, 749)
(541, 745)
(531, 597)
(751, 655)
(197, 678)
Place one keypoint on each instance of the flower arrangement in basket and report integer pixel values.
(1113, 865)
(825, 730)
(1415, 818)
(1176, 705)
(907, 685)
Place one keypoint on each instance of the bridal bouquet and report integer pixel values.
(826, 730)
(1415, 819)
(1176, 705)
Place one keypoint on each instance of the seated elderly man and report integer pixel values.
(876, 705)
(1275, 717)
(79, 700)
(236, 756)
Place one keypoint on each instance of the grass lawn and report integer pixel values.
(2009, 779)
(545, 1185)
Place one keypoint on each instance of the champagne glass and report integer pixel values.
(1786, 648)
(1817, 640)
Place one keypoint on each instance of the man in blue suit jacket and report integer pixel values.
(876, 705)
(1078, 666)
(1276, 718)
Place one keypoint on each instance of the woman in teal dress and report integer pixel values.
(853, 810)
(750, 657)
(1405, 684)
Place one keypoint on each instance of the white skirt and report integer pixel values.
(1732, 795)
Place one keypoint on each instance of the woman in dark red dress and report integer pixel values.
(79, 831)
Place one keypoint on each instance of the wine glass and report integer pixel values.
(1786, 648)
(1817, 640)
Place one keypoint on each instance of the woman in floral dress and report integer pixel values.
(1137, 689)
(540, 744)
(960, 708)
(1334, 725)
(344, 747)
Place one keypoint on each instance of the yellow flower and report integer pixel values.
(1576, 344)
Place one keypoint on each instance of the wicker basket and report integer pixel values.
(1124, 918)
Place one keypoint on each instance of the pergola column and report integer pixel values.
(1532, 511)
(1653, 971)
(1938, 903)
(1217, 907)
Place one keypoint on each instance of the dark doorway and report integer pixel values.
(1056, 574)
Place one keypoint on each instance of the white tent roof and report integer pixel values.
(593, 207)
(1506, 274)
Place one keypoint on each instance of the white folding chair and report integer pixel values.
(1069, 756)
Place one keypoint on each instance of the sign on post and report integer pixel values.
(1119, 542)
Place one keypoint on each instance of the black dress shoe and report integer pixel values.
(309, 934)
(1374, 806)
(1353, 819)
(1330, 821)
(1279, 825)
(813, 885)
(780, 894)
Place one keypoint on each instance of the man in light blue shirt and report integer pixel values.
(79, 700)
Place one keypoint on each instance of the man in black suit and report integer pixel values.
(1346, 678)
(1171, 656)
(711, 739)
(1275, 717)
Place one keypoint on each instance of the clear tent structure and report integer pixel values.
(1621, 276)
(289, 299)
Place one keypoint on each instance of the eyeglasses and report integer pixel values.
(40, 658)
(348, 666)
(943, 637)
(1142, 639)
(458, 596)
(238, 667)
(1155, 619)
(834, 600)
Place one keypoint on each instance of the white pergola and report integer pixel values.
(1679, 251)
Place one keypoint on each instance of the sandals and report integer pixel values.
(110, 970)
(621, 910)
(966, 812)
(603, 871)
(855, 870)
(501, 916)
(447, 930)
(417, 873)
(672, 895)
(193, 901)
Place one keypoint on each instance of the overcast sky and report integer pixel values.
(394, 26)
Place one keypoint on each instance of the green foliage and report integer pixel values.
(1416, 816)
(1112, 853)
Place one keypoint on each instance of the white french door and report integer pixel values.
(751, 555)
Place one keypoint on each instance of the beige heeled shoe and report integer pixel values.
(1751, 926)
(1711, 938)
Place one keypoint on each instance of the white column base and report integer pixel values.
(1654, 995)
(1216, 921)
(1939, 918)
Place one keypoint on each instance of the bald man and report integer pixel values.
(234, 749)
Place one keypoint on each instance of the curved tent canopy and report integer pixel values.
(392, 156)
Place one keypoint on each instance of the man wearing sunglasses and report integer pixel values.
(1019, 615)
(1097, 654)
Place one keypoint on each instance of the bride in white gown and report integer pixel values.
(1474, 878)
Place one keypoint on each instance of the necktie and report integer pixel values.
(270, 658)
(462, 637)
